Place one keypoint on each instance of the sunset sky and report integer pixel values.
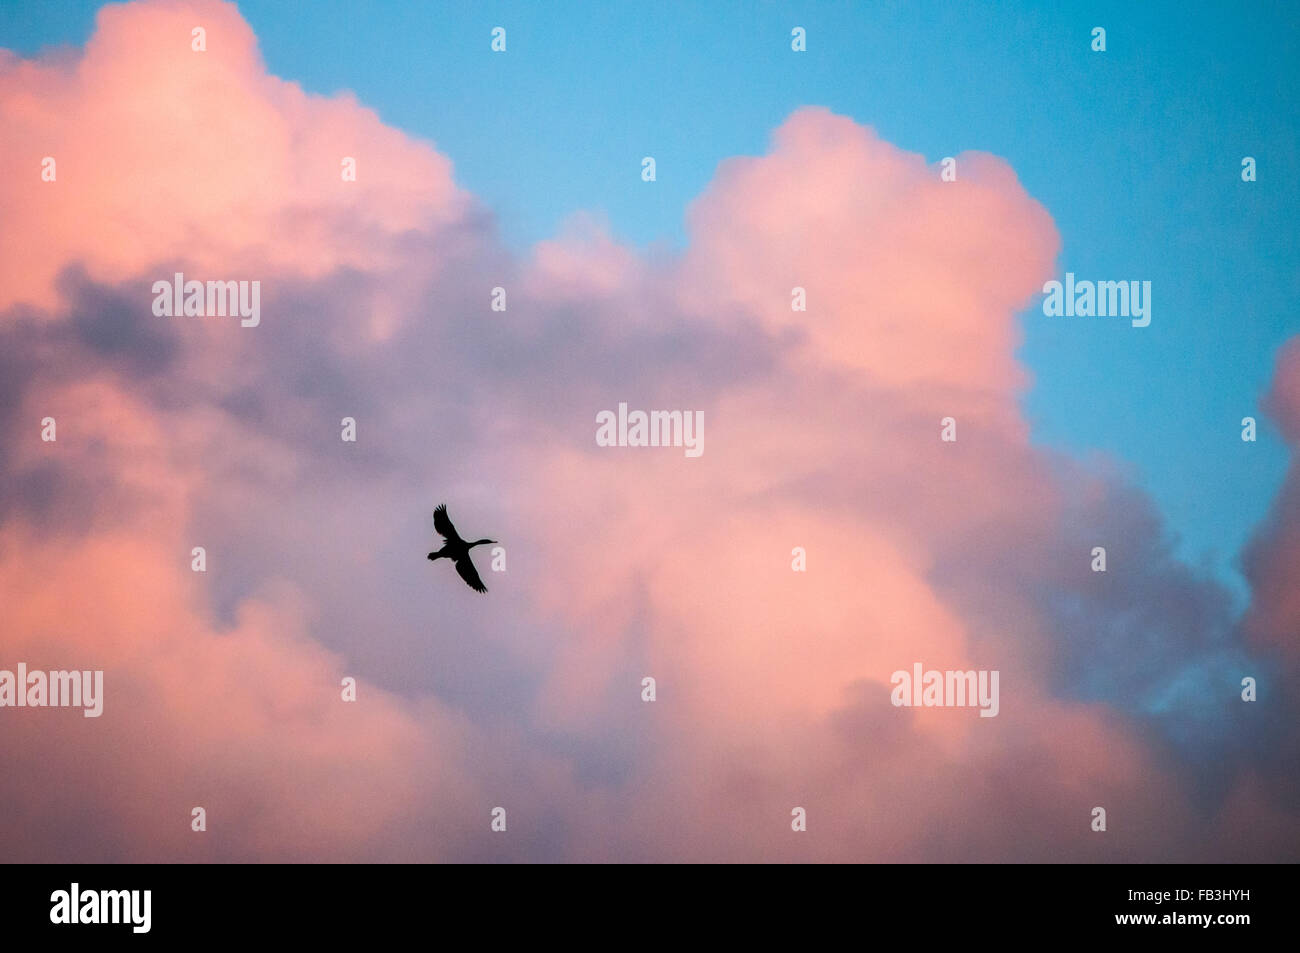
(775, 169)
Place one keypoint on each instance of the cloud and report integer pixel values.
(1273, 559)
(822, 431)
(160, 148)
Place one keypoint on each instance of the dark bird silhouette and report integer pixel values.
(456, 549)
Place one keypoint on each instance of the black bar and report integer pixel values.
(962, 903)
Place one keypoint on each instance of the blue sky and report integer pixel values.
(1135, 153)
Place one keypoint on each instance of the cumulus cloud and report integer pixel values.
(160, 150)
(822, 431)
(1273, 561)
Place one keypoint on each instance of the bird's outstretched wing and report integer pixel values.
(442, 523)
(470, 574)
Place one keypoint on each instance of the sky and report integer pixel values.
(1136, 152)
(774, 169)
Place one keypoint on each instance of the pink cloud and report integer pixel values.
(1273, 560)
(773, 685)
(163, 152)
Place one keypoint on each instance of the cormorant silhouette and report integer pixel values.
(456, 549)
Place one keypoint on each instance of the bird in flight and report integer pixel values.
(456, 549)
